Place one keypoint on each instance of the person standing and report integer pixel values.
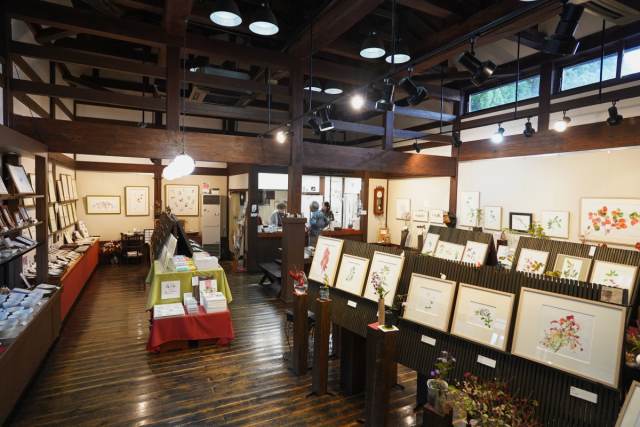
(318, 221)
(326, 210)
(276, 216)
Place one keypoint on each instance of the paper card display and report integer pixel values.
(209, 286)
(170, 289)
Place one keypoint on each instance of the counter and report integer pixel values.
(269, 243)
(77, 276)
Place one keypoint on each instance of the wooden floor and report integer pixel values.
(100, 373)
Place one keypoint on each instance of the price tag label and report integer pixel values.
(592, 251)
(363, 212)
(352, 304)
(584, 395)
(486, 361)
(428, 340)
(23, 323)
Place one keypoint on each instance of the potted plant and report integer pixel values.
(536, 231)
(632, 344)
(437, 387)
(299, 281)
(111, 248)
(394, 312)
(378, 279)
(479, 218)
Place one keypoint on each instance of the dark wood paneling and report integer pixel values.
(176, 15)
(133, 168)
(174, 98)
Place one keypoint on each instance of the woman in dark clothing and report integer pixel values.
(326, 209)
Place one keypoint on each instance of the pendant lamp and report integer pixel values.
(372, 47)
(264, 22)
(226, 13)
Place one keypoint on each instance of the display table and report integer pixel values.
(77, 276)
(155, 278)
(201, 326)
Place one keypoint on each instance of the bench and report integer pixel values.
(272, 271)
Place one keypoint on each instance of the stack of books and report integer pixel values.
(164, 311)
(206, 262)
(214, 303)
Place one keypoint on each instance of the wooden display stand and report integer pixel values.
(300, 335)
(353, 350)
(322, 325)
(292, 254)
(381, 348)
(431, 418)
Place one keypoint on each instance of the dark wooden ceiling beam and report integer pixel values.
(51, 34)
(176, 16)
(89, 45)
(530, 37)
(450, 10)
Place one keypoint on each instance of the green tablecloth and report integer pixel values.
(154, 279)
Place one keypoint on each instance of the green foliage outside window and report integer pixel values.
(589, 72)
(528, 88)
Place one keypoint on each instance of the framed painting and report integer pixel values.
(469, 210)
(475, 252)
(2, 224)
(555, 224)
(184, 200)
(483, 315)
(103, 205)
(493, 218)
(520, 221)
(61, 221)
(3, 189)
(53, 225)
(614, 275)
(573, 267)
(385, 271)
(74, 189)
(578, 336)
(450, 251)
(437, 216)
(430, 301)
(65, 187)
(420, 216)
(65, 214)
(18, 217)
(23, 213)
(352, 274)
(20, 179)
(51, 185)
(430, 243)
(610, 220)
(72, 219)
(403, 209)
(325, 260)
(136, 201)
(7, 216)
(630, 414)
(75, 212)
(505, 256)
(531, 261)
(60, 191)
(30, 202)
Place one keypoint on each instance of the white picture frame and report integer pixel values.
(598, 329)
(136, 201)
(183, 200)
(60, 191)
(430, 301)
(555, 224)
(51, 185)
(103, 205)
(352, 274)
(630, 414)
(470, 202)
(450, 251)
(436, 216)
(29, 202)
(386, 268)
(593, 211)
(170, 289)
(532, 261)
(573, 267)
(325, 260)
(3, 189)
(483, 315)
(20, 179)
(475, 252)
(506, 255)
(403, 209)
(53, 224)
(614, 275)
(74, 189)
(65, 187)
(420, 216)
(493, 218)
(430, 243)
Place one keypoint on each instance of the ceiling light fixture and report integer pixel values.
(563, 42)
(417, 146)
(357, 101)
(170, 172)
(333, 88)
(326, 124)
(415, 94)
(386, 102)
(314, 124)
(614, 118)
(372, 47)
(313, 84)
(480, 71)
(528, 129)
(264, 21)
(562, 124)
(226, 13)
(199, 62)
(402, 54)
(498, 137)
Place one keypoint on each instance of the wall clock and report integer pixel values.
(378, 200)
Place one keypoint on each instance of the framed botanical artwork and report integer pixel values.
(469, 211)
(65, 214)
(483, 315)
(385, 271)
(3, 189)
(437, 216)
(23, 213)
(573, 267)
(450, 251)
(103, 205)
(74, 189)
(61, 221)
(184, 200)
(614, 275)
(403, 209)
(630, 414)
(555, 223)
(610, 220)
(65, 187)
(29, 201)
(475, 252)
(70, 214)
(21, 181)
(493, 217)
(60, 191)
(430, 301)
(325, 260)
(352, 274)
(532, 261)
(18, 217)
(578, 336)
(505, 256)
(7, 216)
(51, 185)
(520, 221)
(75, 213)
(136, 201)
(430, 243)
(53, 225)
(420, 216)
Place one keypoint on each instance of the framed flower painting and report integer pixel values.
(437, 216)
(571, 267)
(574, 335)
(493, 217)
(430, 301)
(430, 243)
(520, 221)
(325, 260)
(403, 209)
(352, 274)
(21, 181)
(136, 201)
(614, 275)
(103, 205)
(469, 210)
(555, 224)
(450, 251)
(610, 220)
(420, 216)
(505, 256)
(385, 271)
(184, 200)
(475, 252)
(531, 261)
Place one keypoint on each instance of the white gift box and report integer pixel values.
(214, 303)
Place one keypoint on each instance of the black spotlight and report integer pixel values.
(480, 71)
(417, 147)
(528, 129)
(386, 102)
(326, 124)
(614, 118)
(456, 141)
(415, 94)
(562, 42)
(315, 126)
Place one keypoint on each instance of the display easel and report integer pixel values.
(166, 225)
(238, 240)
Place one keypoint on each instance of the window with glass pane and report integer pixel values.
(631, 61)
(528, 88)
(589, 72)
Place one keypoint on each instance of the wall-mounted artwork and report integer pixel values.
(450, 251)
(555, 223)
(610, 220)
(475, 252)
(493, 217)
(103, 205)
(505, 256)
(520, 221)
(574, 335)
(531, 261)
(420, 216)
(483, 315)
(385, 271)
(53, 225)
(60, 191)
(136, 201)
(74, 189)
(325, 260)
(65, 187)
(630, 414)
(437, 216)
(614, 275)
(352, 274)
(29, 202)
(184, 200)
(430, 301)
(51, 185)
(572, 267)
(469, 211)
(20, 179)
(403, 209)
(430, 243)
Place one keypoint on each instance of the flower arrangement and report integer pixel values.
(399, 301)
(444, 364)
(536, 231)
(300, 280)
(111, 247)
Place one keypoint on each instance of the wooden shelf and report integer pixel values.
(20, 253)
(15, 230)
(60, 230)
(35, 196)
(62, 203)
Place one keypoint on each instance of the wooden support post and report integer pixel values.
(431, 418)
(387, 140)
(353, 351)
(322, 324)
(52, 80)
(336, 339)
(546, 89)
(41, 214)
(300, 335)
(7, 69)
(251, 241)
(157, 187)
(364, 219)
(294, 199)
(292, 253)
(381, 348)
(458, 107)
(173, 88)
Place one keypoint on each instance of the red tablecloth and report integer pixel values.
(201, 326)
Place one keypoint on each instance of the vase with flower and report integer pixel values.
(111, 249)
(437, 387)
(378, 280)
(390, 315)
(299, 281)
